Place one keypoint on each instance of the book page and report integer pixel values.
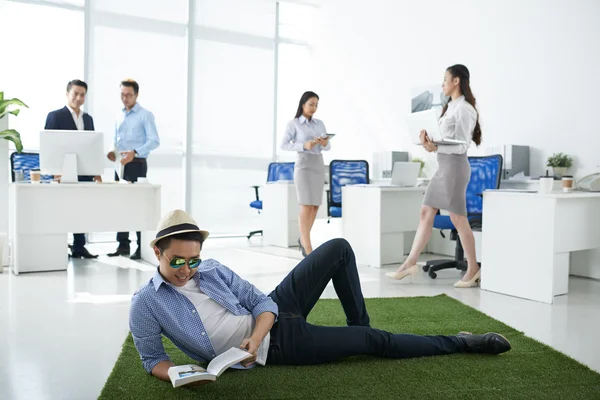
(184, 374)
(226, 360)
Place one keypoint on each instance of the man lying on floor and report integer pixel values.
(204, 308)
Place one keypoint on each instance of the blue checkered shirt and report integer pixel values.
(159, 309)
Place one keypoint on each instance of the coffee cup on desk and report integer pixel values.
(567, 183)
(35, 175)
(546, 184)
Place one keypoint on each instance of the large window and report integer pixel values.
(233, 110)
(220, 108)
(145, 41)
(37, 67)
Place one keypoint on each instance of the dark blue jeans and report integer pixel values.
(296, 342)
(79, 238)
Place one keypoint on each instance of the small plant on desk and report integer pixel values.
(559, 163)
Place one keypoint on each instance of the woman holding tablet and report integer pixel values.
(447, 189)
(306, 136)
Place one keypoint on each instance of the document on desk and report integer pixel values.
(514, 190)
(118, 166)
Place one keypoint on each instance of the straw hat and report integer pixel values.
(175, 222)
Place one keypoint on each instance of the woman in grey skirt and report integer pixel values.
(306, 135)
(447, 189)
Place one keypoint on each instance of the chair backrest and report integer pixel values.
(485, 174)
(24, 162)
(281, 172)
(346, 172)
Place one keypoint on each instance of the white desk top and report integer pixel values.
(83, 186)
(554, 195)
(391, 188)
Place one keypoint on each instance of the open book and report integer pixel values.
(183, 374)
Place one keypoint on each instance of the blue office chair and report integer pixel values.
(277, 172)
(485, 174)
(342, 173)
(25, 162)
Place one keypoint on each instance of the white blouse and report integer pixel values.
(301, 130)
(458, 123)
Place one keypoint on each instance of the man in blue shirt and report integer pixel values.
(205, 308)
(135, 137)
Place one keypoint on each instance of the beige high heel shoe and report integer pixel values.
(398, 275)
(474, 282)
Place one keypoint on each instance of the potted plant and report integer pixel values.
(420, 161)
(559, 163)
(5, 133)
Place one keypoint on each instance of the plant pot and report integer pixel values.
(559, 171)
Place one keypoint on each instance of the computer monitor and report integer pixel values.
(71, 153)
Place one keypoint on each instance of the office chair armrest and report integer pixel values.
(328, 202)
(256, 191)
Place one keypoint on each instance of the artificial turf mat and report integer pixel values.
(530, 370)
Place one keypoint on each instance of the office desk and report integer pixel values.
(528, 237)
(377, 219)
(280, 214)
(42, 215)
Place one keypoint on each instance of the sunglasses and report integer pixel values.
(178, 262)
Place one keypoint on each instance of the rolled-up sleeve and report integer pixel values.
(146, 333)
(248, 295)
(289, 142)
(152, 140)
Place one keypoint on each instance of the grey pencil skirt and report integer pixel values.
(448, 187)
(309, 177)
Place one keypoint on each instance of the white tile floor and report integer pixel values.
(62, 331)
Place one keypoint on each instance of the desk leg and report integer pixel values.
(560, 278)
(147, 251)
(38, 253)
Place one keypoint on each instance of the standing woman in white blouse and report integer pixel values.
(307, 136)
(447, 189)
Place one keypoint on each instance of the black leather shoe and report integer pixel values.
(137, 255)
(121, 251)
(489, 343)
(82, 253)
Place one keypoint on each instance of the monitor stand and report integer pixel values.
(69, 170)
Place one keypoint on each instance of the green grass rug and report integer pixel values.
(530, 371)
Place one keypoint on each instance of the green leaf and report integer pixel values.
(1, 96)
(12, 102)
(15, 112)
(13, 136)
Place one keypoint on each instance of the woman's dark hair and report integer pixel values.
(461, 72)
(164, 243)
(305, 97)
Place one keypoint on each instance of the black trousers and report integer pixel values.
(137, 168)
(296, 342)
(79, 238)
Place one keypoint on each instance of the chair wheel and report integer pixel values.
(432, 275)
(425, 268)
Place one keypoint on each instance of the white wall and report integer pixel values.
(534, 71)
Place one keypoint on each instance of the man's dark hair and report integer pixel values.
(164, 243)
(132, 84)
(76, 82)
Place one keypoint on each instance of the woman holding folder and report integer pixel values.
(448, 187)
(306, 136)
